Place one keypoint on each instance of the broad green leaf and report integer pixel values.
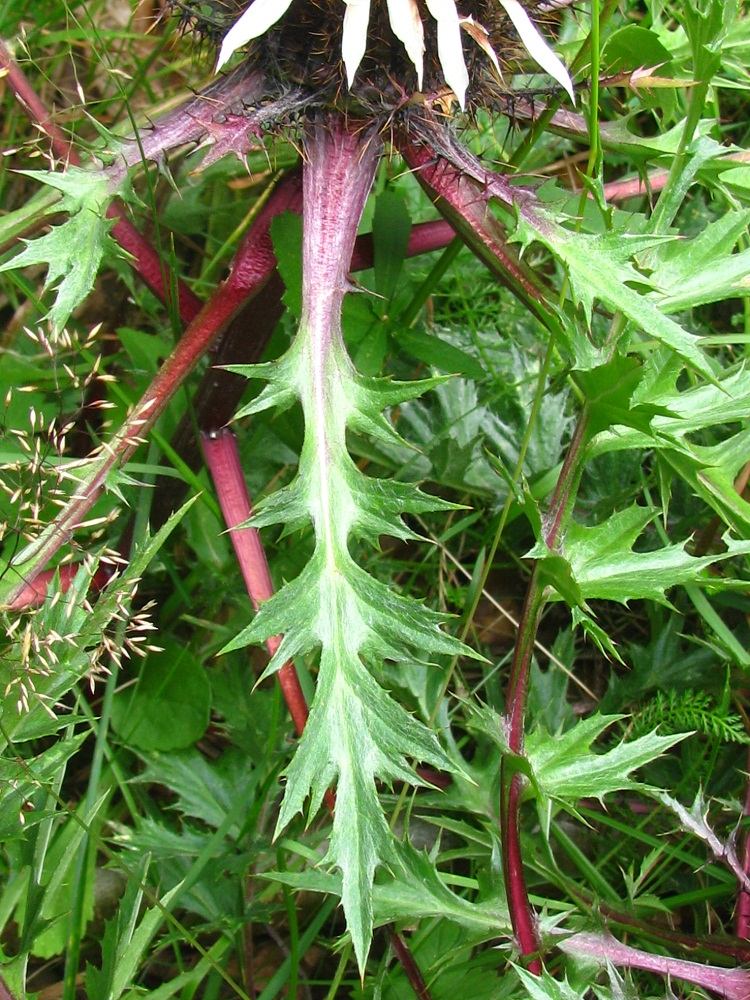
(286, 233)
(74, 249)
(438, 353)
(170, 705)
(633, 47)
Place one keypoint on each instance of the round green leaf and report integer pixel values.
(169, 707)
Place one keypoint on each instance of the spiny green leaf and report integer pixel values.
(693, 272)
(566, 769)
(355, 733)
(599, 266)
(118, 935)
(598, 562)
(73, 250)
(205, 790)
(544, 987)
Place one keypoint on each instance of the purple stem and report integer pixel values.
(731, 984)
(5, 993)
(223, 461)
(339, 166)
(742, 911)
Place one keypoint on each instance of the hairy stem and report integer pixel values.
(732, 984)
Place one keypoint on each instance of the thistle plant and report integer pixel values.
(353, 86)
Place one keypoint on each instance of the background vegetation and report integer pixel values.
(142, 773)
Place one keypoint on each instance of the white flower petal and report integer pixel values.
(354, 41)
(257, 19)
(450, 49)
(407, 27)
(482, 37)
(536, 46)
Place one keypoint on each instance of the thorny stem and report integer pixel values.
(147, 261)
(521, 914)
(462, 200)
(253, 264)
(732, 984)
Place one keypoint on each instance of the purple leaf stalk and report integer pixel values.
(731, 984)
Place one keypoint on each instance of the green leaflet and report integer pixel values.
(599, 267)
(566, 769)
(562, 767)
(599, 563)
(73, 250)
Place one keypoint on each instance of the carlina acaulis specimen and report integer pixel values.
(367, 55)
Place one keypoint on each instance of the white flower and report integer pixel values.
(408, 28)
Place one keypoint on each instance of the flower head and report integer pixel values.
(406, 21)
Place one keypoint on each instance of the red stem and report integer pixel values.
(463, 202)
(223, 461)
(219, 392)
(521, 913)
(410, 967)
